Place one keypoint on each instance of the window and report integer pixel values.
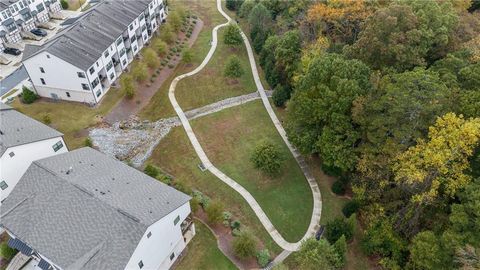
(97, 64)
(68, 94)
(11, 154)
(81, 74)
(112, 76)
(172, 256)
(99, 92)
(109, 65)
(132, 40)
(149, 234)
(48, 56)
(177, 219)
(43, 81)
(85, 86)
(140, 264)
(92, 70)
(3, 185)
(57, 146)
(119, 41)
(122, 52)
(131, 27)
(134, 48)
(106, 54)
(42, 70)
(124, 62)
(95, 83)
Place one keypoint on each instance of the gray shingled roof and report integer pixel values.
(82, 43)
(91, 218)
(17, 129)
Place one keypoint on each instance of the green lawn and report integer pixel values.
(71, 118)
(229, 137)
(209, 85)
(175, 155)
(159, 106)
(202, 252)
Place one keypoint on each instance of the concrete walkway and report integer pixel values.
(276, 236)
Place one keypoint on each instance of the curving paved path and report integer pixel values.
(317, 207)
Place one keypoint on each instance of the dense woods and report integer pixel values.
(387, 93)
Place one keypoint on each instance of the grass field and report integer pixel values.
(203, 254)
(229, 138)
(71, 118)
(209, 85)
(175, 155)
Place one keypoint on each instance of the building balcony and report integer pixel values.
(188, 229)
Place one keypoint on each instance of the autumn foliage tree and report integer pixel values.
(436, 168)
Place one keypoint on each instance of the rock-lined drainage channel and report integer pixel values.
(135, 140)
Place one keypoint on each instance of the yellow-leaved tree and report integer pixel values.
(436, 167)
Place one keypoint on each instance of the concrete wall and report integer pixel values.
(12, 168)
(166, 239)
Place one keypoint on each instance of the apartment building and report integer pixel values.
(85, 210)
(23, 15)
(23, 140)
(83, 61)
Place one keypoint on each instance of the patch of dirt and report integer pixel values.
(80, 134)
(232, 81)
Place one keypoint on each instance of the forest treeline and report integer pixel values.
(387, 93)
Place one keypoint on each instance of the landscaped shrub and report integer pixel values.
(151, 170)
(7, 252)
(180, 186)
(214, 212)
(341, 247)
(263, 257)
(236, 232)
(338, 227)
(127, 85)
(187, 56)
(280, 95)
(233, 68)
(350, 208)
(166, 33)
(151, 58)
(194, 204)
(227, 215)
(64, 4)
(171, 65)
(28, 96)
(268, 158)
(139, 72)
(159, 46)
(235, 225)
(188, 35)
(338, 188)
(47, 119)
(232, 35)
(88, 142)
(244, 245)
(233, 4)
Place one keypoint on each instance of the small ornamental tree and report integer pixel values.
(268, 158)
(244, 245)
(88, 142)
(232, 35)
(151, 58)
(214, 212)
(187, 56)
(341, 247)
(340, 226)
(140, 72)
(127, 85)
(160, 47)
(233, 69)
(166, 33)
(175, 20)
(151, 170)
(263, 257)
(28, 96)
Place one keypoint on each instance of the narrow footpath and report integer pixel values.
(276, 236)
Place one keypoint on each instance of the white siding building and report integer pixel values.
(89, 211)
(83, 61)
(23, 140)
(23, 15)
